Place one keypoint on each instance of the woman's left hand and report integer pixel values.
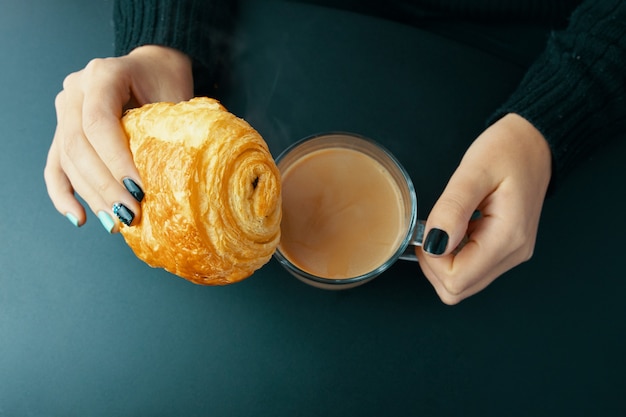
(505, 175)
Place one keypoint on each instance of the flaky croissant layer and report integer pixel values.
(212, 207)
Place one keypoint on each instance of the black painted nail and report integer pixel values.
(133, 189)
(123, 213)
(436, 242)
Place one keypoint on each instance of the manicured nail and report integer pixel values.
(123, 213)
(133, 189)
(72, 219)
(436, 242)
(106, 220)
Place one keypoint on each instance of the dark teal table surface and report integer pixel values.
(86, 329)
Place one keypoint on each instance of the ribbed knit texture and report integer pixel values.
(574, 93)
(199, 28)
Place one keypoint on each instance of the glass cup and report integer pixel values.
(349, 211)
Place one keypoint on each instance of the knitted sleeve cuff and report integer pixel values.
(574, 93)
(198, 28)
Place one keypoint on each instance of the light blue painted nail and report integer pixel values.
(72, 219)
(106, 220)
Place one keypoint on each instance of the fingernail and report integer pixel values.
(72, 219)
(123, 213)
(106, 220)
(133, 189)
(436, 242)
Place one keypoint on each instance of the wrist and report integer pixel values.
(161, 74)
(531, 138)
(172, 56)
(529, 145)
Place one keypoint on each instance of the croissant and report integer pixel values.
(212, 207)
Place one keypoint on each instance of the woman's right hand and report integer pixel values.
(89, 155)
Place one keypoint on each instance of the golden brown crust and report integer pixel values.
(212, 207)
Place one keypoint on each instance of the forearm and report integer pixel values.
(198, 28)
(574, 93)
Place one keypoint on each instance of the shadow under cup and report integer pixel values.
(349, 210)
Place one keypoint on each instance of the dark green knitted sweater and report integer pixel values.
(574, 93)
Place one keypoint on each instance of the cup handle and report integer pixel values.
(418, 238)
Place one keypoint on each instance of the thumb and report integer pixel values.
(447, 223)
